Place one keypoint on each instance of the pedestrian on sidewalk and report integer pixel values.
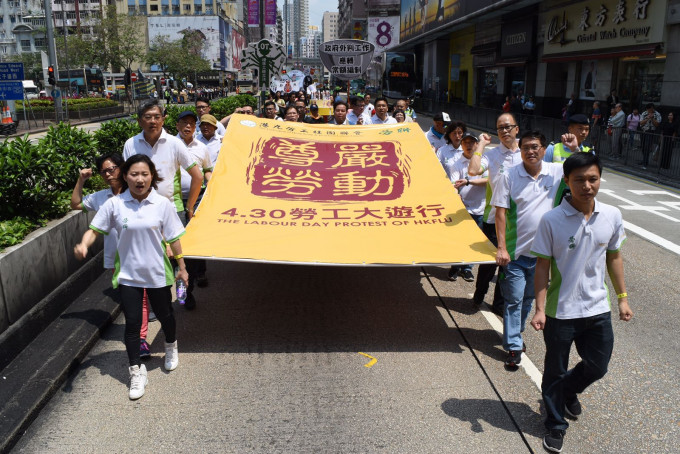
(575, 242)
(144, 220)
(650, 120)
(617, 122)
(522, 196)
(496, 161)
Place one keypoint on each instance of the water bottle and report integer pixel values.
(181, 291)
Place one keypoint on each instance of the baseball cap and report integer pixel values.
(211, 120)
(187, 113)
(470, 135)
(442, 116)
(313, 107)
(578, 119)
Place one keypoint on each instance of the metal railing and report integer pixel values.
(649, 155)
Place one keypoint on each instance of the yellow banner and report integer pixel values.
(321, 194)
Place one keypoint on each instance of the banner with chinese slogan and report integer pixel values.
(337, 195)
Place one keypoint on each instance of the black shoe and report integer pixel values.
(513, 359)
(453, 274)
(572, 407)
(467, 275)
(202, 281)
(190, 303)
(524, 347)
(553, 440)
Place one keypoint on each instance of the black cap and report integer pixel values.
(313, 107)
(470, 135)
(187, 113)
(579, 119)
(441, 116)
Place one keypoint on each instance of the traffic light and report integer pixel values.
(50, 76)
(128, 77)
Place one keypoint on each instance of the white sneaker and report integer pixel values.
(138, 381)
(171, 356)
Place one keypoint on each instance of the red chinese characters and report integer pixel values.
(322, 171)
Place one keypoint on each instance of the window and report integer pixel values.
(70, 14)
(198, 9)
(26, 45)
(95, 14)
(165, 10)
(12, 19)
(131, 10)
(187, 7)
(40, 42)
(175, 10)
(154, 7)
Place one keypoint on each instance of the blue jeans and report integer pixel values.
(594, 340)
(518, 292)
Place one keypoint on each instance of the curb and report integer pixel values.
(40, 129)
(38, 371)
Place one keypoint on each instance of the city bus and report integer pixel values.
(399, 76)
(81, 80)
(245, 83)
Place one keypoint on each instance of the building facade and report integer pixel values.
(22, 24)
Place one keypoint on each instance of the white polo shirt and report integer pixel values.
(375, 120)
(526, 200)
(577, 250)
(214, 145)
(169, 154)
(354, 119)
(93, 202)
(448, 156)
(201, 156)
(497, 161)
(140, 260)
(436, 142)
(474, 197)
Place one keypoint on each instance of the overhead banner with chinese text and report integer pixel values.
(321, 194)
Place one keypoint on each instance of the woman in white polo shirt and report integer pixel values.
(143, 219)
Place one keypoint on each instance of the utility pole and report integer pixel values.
(52, 55)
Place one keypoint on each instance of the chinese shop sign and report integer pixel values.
(298, 193)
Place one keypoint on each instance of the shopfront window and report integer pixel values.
(640, 82)
(487, 87)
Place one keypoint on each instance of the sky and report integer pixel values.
(316, 9)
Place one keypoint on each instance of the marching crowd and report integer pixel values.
(535, 202)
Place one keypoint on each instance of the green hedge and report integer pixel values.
(37, 179)
(219, 108)
(47, 105)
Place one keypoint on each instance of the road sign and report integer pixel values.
(11, 72)
(56, 93)
(162, 80)
(133, 76)
(11, 90)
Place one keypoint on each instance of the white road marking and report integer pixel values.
(675, 205)
(654, 238)
(526, 363)
(639, 192)
(636, 206)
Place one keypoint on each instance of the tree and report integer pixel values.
(179, 58)
(117, 42)
(32, 64)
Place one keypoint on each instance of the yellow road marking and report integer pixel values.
(372, 359)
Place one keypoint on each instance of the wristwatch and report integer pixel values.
(467, 181)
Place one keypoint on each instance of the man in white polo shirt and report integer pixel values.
(168, 154)
(381, 116)
(496, 161)
(521, 197)
(575, 242)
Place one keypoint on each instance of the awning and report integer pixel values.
(630, 51)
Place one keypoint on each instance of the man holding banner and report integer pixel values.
(496, 161)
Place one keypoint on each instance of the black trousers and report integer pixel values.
(486, 272)
(160, 300)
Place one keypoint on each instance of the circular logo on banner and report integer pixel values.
(384, 37)
(249, 123)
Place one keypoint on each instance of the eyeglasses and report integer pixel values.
(506, 128)
(108, 170)
(534, 147)
(201, 107)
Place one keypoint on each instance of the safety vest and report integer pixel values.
(560, 153)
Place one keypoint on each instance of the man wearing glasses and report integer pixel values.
(245, 110)
(522, 195)
(203, 108)
(496, 161)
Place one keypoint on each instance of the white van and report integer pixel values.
(32, 92)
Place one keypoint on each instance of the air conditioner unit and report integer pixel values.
(673, 16)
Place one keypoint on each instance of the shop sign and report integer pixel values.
(517, 39)
(383, 32)
(595, 25)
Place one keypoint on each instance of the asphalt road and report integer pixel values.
(274, 360)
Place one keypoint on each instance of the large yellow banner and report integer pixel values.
(341, 195)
